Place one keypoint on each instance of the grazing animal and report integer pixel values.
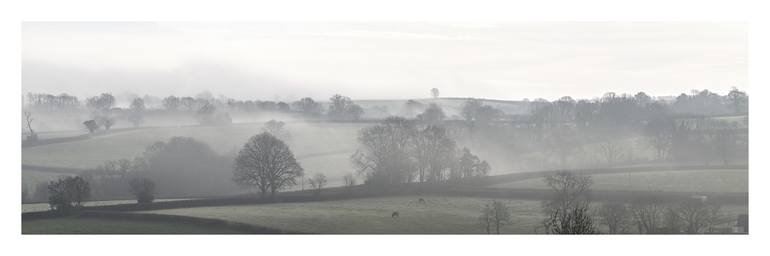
(394, 215)
(421, 201)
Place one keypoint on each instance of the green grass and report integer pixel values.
(73, 225)
(728, 181)
(441, 215)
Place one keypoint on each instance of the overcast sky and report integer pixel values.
(286, 61)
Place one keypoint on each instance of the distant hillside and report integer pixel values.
(451, 106)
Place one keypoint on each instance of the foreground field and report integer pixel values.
(719, 181)
(440, 215)
(73, 225)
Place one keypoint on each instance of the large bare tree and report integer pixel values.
(266, 163)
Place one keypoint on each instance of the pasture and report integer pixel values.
(74, 225)
(439, 215)
(706, 181)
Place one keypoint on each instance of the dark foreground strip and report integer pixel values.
(164, 218)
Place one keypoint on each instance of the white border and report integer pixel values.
(394, 10)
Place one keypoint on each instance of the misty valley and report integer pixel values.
(615, 163)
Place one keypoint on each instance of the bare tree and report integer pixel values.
(349, 179)
(567, 211)
(696, 216)
(266, 163)
(318, 181)
(612, 151)
(615, 215)
(434, 92)
(31, 135)
(277, 129)
(575, 220)
(646, 215)
(486, 218)
(500, 215)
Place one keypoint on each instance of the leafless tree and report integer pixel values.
(612, 151)
(568, 190)
(576, 220)
(486, 218)
(266, 163)
(500, 215)
(277, 129)
(696, 215)
(646, 215)
(567, 211)
(349, 179)
(31, 135)
(318, 181)
(615, 215)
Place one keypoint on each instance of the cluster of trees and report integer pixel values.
(688, 216)
(49, 102)
(568, 212)
(399, 150)
(342, 108)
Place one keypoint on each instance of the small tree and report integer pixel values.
(497, 214)
(136, 116)
(106, 121)
(574, 221)
(349, 180)
(615, 216)
(91, 125)
(434, 92)
(277, 129)
(486, 218)
(68, 193)
(318, 181)
(143, 189)
(31, 135)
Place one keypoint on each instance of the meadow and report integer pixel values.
(440, 215)
(74, 225)
(704, 181)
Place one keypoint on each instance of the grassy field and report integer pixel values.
(442, 215)
(729, 181)
(114, 226)
(307, 138)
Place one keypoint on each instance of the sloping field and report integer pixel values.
(444, 215)
(307, 139)
(440, 215)
(705, 181)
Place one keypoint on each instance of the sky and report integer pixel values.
(287, 61)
